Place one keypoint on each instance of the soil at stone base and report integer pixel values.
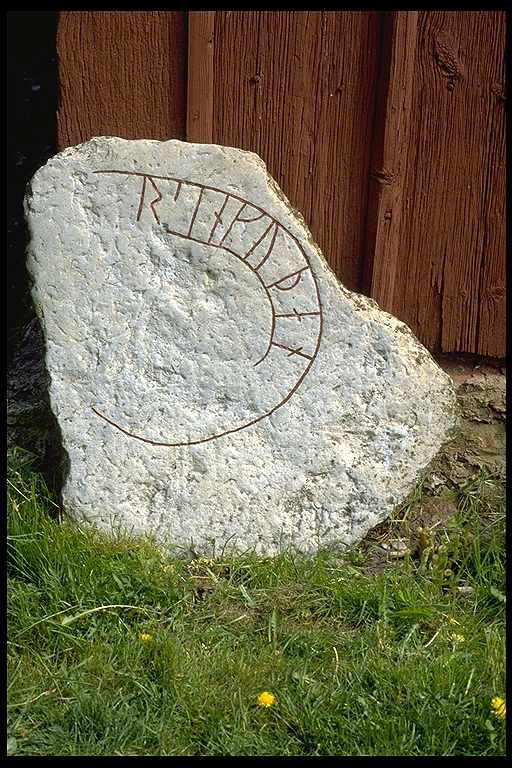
(480, 444)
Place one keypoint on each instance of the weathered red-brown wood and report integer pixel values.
(447, 275)
(298, 88)
(122, 74)
(201, 33)
(389, 155)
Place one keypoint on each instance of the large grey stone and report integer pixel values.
(212, 379)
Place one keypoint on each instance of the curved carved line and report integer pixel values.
(256, 218)
(277, 284)
(315, 282)
(271, 246)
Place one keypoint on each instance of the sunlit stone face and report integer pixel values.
(212, 379)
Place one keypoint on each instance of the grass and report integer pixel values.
(401, 661)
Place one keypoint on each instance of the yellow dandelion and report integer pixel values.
(451, 620)
(146, 637)
(457, 638)
(266, 699)
(499, 708)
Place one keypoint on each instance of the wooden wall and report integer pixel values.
(299, 89)
(439, 263)
(386, 130)
(121, 74)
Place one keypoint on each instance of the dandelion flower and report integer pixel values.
(266, 699)
(457, 638)
(451, 620)
(146, 637)
(499, 708)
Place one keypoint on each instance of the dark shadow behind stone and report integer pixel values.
(31, 425)
(32, 102)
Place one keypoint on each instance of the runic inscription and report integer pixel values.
(226, 223)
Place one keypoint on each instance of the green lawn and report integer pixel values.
(115, 649)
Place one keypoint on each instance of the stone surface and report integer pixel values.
(213, 381)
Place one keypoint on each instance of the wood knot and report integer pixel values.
(498, 91)
(383, 176)
(447, 61)
(495, 293)
(255, 79)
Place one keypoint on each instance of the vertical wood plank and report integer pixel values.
(492, 300)
(201, 34)
(389, 155)
(121, 74)
(298, 88)
(451, 282)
